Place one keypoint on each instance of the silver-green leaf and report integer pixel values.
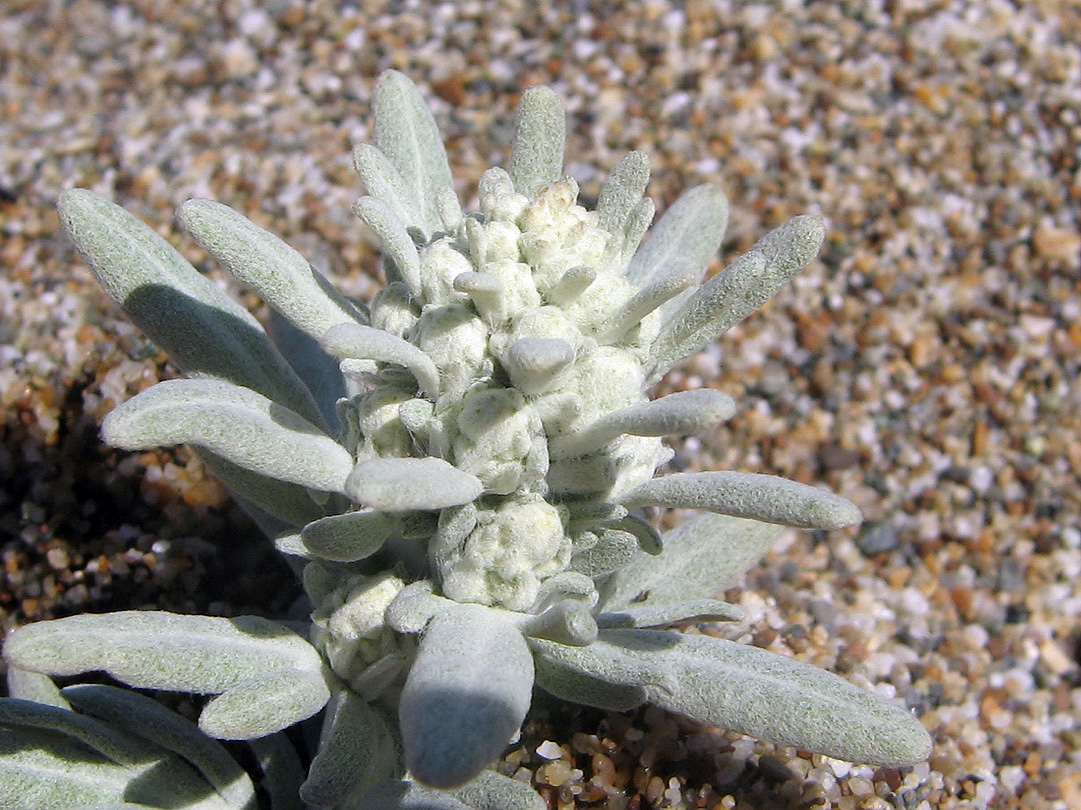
(537, 150)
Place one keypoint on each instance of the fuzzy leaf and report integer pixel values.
(354, 341)
(204, 331)
(755, 692)
(264, 704)
(466, 695)
(536, 157)
(533, 362)
(621, 191)
(701, 558)
(767, 498)
(571, 682)
(288, 502)
(356, 750)
(493, 791)
(27, 685)
(682, 413)
(568, 622)
(348, 537)
(282, 771)
(282, 277)
(736, 292)
(240, 425)
(689, 234)
(316, 369)
(414, 606)
(397, 244)
(384, 182)
(402, 795)
(650, 614)
(680, 276)
(158, 650)
(406, 133)
(405, 484)
(141, 716)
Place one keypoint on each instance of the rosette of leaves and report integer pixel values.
(458, 469)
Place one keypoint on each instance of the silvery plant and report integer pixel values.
(459, 472)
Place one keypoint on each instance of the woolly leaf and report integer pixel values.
(397, 244)
(283, 500)
(384, 182)
(158, 650)
(568, 622)
(573, 682)
(316, 369)
(406, 133)
(663, 288)
(689, 234)
(466, 695)
(701, 558)
(282, 771)
(356, 750)
(533, 363)
(684, 412)
(493, 791)
(754, 692)
(736, 292)
(749, 495)
(402, 795)
(35, 686)
(265, 703)
(240, 425)
(621, 191)
(141, 716)
(405, 484)
(537, 149)
(358, 342)
(281, 276)
(650, 614)
(348, 537)
(204, 331)
(414, 606)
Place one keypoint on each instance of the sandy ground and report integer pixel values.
(925, 367)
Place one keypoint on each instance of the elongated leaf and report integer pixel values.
(406, 133)
(285, 501)
(406, 484)
(650, 614)
(348, 537)
(736, 292)
(282, 771)
(384, 182)
(34, 686)
(397, 243)
(105, 741)
(537, 149)
(493, 791)
(701, 558)
(402, 795)
(689, 234)
(466, 695)
(317, 369)
(144, 717)
(680, 277)
(158, 650)
(240, 425)
(754, 692)
(265, 703)
(365, 343)
(281, 276)
(621, 191)
(768, 498)
(573, 683)
(204, 331)
(356, 750)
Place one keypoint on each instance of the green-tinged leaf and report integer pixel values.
(397, 243)
(354, 341)
(612, 551)
(767, 498)
(27, 685)
(138, 715)
(282, 277)
(755, 692)
(573, 682)
(384, 182)
(348, 537)
(56, 759)
(236, 423)
(736, 292)
(264, 704)
(204, 331)
(682, 413)
(649, 614)
(158, 650)
(414, 606)
(493, 791)
(317, 369)
(650, 297)
(568, 622)
(621, 191)
(282, 771)
(688, 235)
(466, 695)
(356, 750)
(406, 133)
(401, 795)
(536, 157)
(701, 558)
(283, 500)
(406, 484)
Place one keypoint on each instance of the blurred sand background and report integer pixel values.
(926, 366)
